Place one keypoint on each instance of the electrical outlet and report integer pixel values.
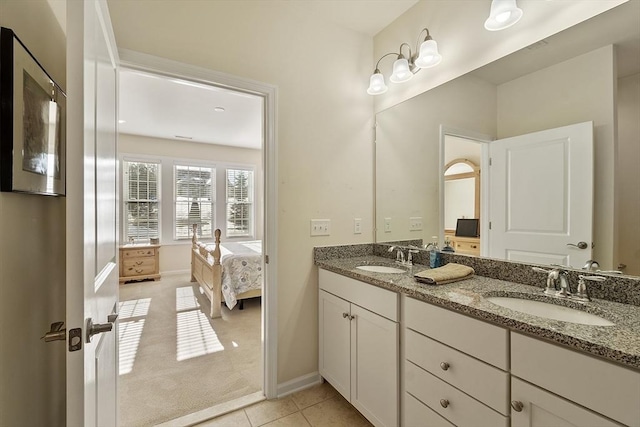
(387, 225)
(320, 227)
(415, 223)
(357, 226)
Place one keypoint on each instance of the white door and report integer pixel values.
(92, 273)
(335, 332)
(541, 196)
(535, 407)
(374, 366)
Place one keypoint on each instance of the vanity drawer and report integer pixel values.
(134, 253)
(478, 379)
(601, 386)
(474, 337)
(417, 414)
(378, 300)
(461, 409)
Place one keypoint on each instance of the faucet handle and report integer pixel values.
(541, 270)
(582, 292)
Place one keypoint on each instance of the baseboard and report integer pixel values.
(297, 384)
(174, 272)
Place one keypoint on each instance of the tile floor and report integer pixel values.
(317, 406)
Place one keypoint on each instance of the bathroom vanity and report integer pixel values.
(446, 356)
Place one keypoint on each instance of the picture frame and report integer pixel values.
(32, 123)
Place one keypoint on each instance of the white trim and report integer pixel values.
(484, 192)
(144, 62)
(297, 384)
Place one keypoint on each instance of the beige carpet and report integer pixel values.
(174, 359)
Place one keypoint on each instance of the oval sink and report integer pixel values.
(381, 269)
(550, 311)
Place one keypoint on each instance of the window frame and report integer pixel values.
(191, 164)
(252, 194)
(125, 192)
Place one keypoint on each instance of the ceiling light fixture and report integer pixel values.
(404, 68)
(504, 13)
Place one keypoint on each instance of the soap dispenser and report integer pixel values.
(434, 253)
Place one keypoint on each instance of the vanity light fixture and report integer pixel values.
(504, 13)
(404, 68)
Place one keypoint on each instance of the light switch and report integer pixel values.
(357, 226)
(387, 225)
(320, 227)
(415, 223)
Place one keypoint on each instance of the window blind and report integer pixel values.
(194, 200)
(239, 202)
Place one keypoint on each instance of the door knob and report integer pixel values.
(57, 333)
(517, 405)
(580, 245)
(99, 328)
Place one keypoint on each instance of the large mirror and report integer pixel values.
(587, 73)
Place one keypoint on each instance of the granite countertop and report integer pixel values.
(619, 343)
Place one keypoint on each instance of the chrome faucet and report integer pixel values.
(582, 292)
(557, 282)
(591, 265)
(399, 254)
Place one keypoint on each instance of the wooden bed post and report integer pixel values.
(216, 299)
(194, 246)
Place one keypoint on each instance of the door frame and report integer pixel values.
(156, 65)
(484, 140)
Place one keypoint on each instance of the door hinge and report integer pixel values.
(266, 259)
(490, 161)
(489, 225)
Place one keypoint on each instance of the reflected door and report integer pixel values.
(541, 196)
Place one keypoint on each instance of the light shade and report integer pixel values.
(401, 71)
(504, 13)
(376, 84)
(429, 55)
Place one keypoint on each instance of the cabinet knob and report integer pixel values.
(517, 405)
(352, 317)
(345, 315)
(444, 403)
(444, 366)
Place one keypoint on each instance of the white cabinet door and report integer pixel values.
(374, 362)
(543, 409)
(335, 341)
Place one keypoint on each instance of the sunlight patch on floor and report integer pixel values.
(134, 308)
(196, 336)
(186, 299)
(129, 339)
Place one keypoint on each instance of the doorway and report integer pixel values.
(185, 294)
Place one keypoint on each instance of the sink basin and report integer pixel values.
(550, 311)
(381, 269)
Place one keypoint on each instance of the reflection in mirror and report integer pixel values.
(566, 79)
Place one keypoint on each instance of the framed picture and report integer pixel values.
(32, 123)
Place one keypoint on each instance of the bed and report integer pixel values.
(231, 272)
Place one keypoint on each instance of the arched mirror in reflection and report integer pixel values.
(462, 205)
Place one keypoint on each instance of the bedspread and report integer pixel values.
(241, 269)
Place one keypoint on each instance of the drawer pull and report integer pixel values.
(517, 405)
(444, 403)
(138, 262)
(139, 271)
(444, 366)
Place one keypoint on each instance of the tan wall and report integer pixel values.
(175, 255)
(32, 247)
(325, 150)
(457, 27)
(578, 90)
(628, 173)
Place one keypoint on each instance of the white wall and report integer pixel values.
(628, 173)
(32, 272)
(325, 150)
(175, 254)
(458, 28)
(578, 90)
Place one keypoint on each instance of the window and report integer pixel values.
(239, 202)
(194, 201)
(141, 200)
